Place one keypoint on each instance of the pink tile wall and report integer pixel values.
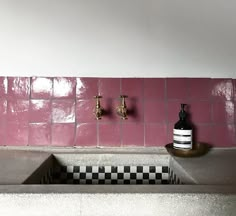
(43, 111)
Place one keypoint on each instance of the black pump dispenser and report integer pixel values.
(182, 131)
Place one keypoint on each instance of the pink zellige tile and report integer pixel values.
(222, 89)
(40, 134)
(2, 134)
(18, 87)
(134, 110)
(224, 135)
(86, 134)
(18, 111)
(177, 88)
(16, 134)
(199, 88)
(223, 112)
(63, 111)
(3, 110)
(64, 87)
(132, 134)
(109, 135)
(154, 88)
(203, 133)
(63, 134)
(132, 87)
(40, 111)
(84, 111)
(41, 88)
(86, 88)
(155, 134)
(109, 87)
(154, 111)
(3, 86)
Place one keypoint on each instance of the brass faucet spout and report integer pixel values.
(98, 111)
(122, 109)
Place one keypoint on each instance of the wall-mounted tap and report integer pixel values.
(122, 109)
(98, 110)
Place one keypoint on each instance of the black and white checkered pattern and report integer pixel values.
(111, 175)
(173, 179)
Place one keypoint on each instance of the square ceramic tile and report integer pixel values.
(2, 134)
(86, 88)
(3, 86)
(63, 111)
(64, 87)
(154, 88)
(16, 134)
(199, 88)
(84, 111)
(222, 89)
(40, 111)
(86, 134)
(109, 110)
(63, 134)
(132, 134)
(224, 135)
(41, 87)
(109, 87)
(155, 134)
(3, 110)
(39, 134)
(155, 111)
(203, 133)
(223, 112)
(18, 111)
(109, 134)
(200, 112)
(134, 110)
(234, 81)
(177, 88)
(18, 87)
(132, 87)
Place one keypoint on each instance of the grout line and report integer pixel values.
(75, 113)
(120, 122)
(144, 123)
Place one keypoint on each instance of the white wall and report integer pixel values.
(118, 38)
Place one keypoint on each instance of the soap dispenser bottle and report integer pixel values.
(182, 132)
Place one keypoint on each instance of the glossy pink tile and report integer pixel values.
(86, 135)
(222, 89)
(109, 135)
(40, 111)
(132, 134)
(19, 87)
(134, 110)
(234, 81)
(155, 134)
(41, 87)
(203, 133)
(3, 86)
(16, 134)
(63, 134)
(223, 112)
(170, 128)
(224, 135)
(3, 110)
(177, 88)
(64, 87)
(199, 88)
(18, 111)
(132, 87)
(154, 88)
(109, 110)
(2, 134)
(84, 111)
(109, 87)
(200, 112)
(86, 88)
(154, 111)
(39, 134)
(63, 111)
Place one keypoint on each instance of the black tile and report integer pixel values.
(89, 181)
(152, 169)
(82, 175)
(101, 181)
(113, 181)
(107, 175)
(126, 181)
(139, 169)
(70, 176)
(101, 169)
(151, 181)
(95, 176)
(76, 181)
(120, 176)
(145, 176)
(165, 169)
(158, 175)
(114, 169)
(76, 169)
(88, 169)
(126, 169)
(139, 181)
(63, 169)
(133, 175)
(164, 182)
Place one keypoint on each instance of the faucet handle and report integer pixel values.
(98, 110)
(122, 109)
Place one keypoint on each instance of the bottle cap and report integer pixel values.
(182, 113)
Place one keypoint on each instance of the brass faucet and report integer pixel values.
(122, 109)
(98, 110)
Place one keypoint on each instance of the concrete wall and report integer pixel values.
(108, 38)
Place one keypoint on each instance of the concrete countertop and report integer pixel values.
(16, 166)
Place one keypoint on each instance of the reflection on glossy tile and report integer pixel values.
(3, 110)
(155, 134)
(84, 111)
(63, 111)
(3, 86)
(19, 87)
(109, 135)
(223, 112)
(132, 134)
(64, 87)
(63, 134)
(41, 87)
(86, 134)
(40, 134)
(40, 111)
(154, 88)
(222, 89)
(18, 111)
(16, 134)
(86, 88)
(154, 111)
